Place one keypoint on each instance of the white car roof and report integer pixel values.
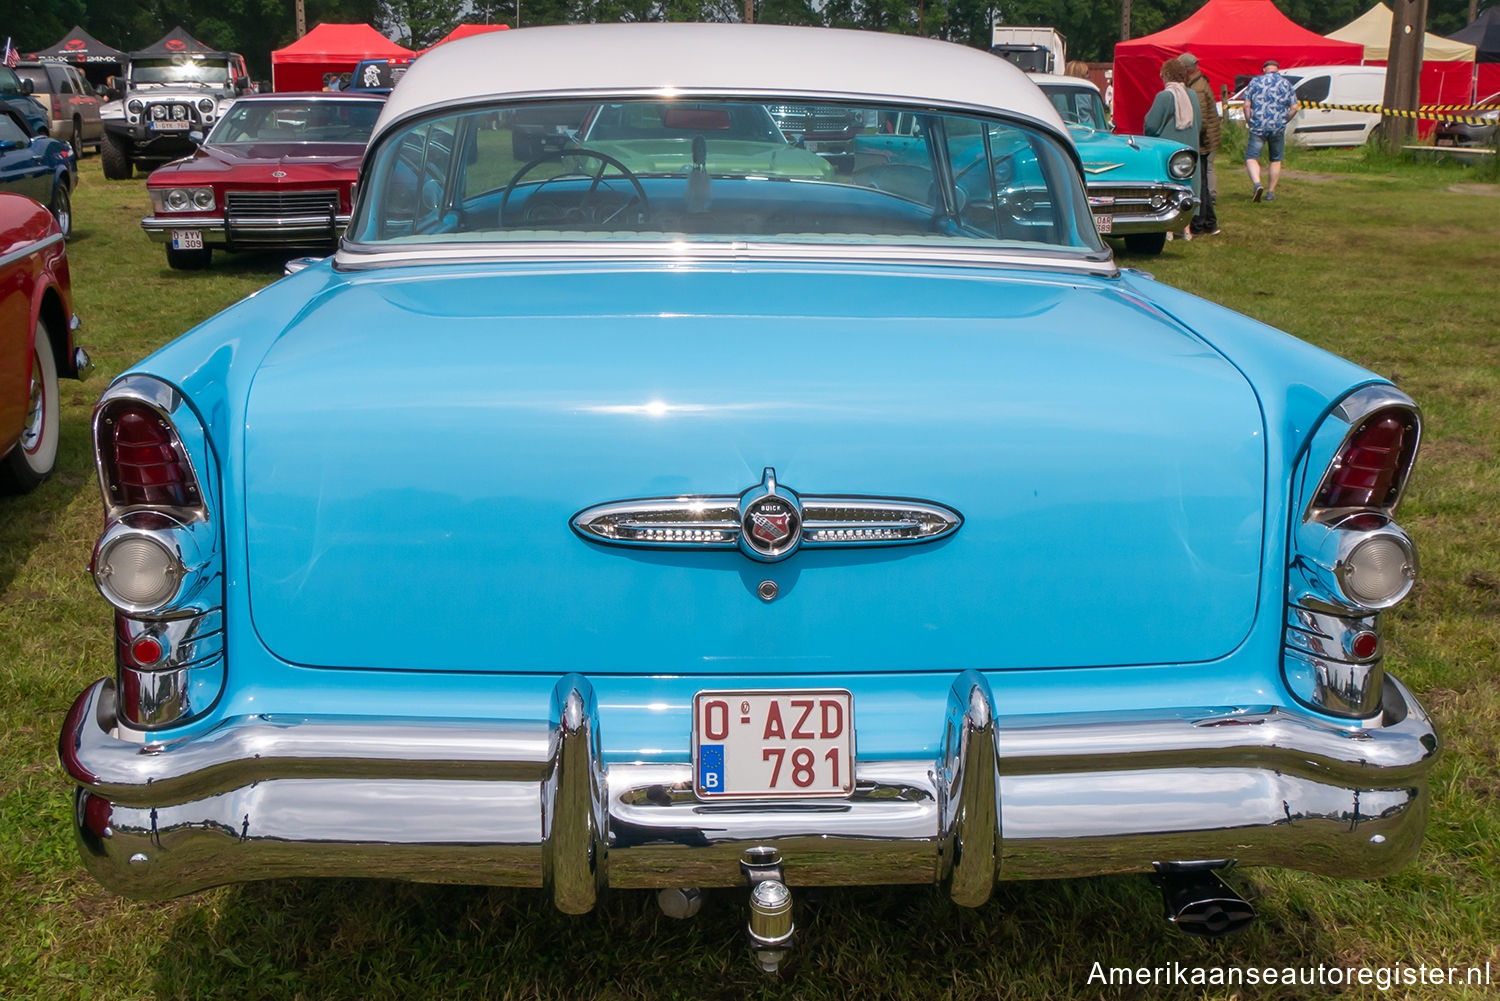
(664, 58)
(1068, 81)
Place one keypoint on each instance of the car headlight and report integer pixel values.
(185, 199)
(135, 107)
(1180, 164)
(206, 105)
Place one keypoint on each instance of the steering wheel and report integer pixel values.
(588, 210)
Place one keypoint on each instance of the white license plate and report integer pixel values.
(171, 126)
(187, 239)
(1104, 223)
(773, 744)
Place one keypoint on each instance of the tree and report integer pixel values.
(417, 24)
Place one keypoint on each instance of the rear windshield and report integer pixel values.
(321, 121)
(731, 170)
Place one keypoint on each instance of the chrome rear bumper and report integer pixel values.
(532, 804)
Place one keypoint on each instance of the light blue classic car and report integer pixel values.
(1140, 187)
(686, 527)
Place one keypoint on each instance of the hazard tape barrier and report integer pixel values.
(1429, 112)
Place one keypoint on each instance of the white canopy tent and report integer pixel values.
(1372, 29)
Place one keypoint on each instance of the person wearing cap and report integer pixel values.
(1205, 219)
(1270, 103)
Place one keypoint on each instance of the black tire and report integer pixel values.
(1145, 243)
(61, 207)
(188, 260)
(35, 455)
(76, 141)
(116, 157)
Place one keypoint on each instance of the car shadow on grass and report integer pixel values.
(378, 939)
(267, 266)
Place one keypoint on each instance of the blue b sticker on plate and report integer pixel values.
(710, 767)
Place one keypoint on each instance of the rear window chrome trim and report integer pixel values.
(364, 257)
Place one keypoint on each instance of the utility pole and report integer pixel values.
(1404, 70)
(1124, 20)
(749, 11)
(301, 18)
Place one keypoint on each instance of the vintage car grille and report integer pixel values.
(1129, 202)
(801, 118)
(281, 204)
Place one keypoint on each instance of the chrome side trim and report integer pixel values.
(26, 250)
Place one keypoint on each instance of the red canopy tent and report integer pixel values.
(329, 48)
(1230, 38)
(464, 31)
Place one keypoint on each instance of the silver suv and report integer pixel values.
(168, 105)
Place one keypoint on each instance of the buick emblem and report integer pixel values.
(767, 523)
(770, 519)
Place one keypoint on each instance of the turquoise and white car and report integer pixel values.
(667, 523)
(1139, 187)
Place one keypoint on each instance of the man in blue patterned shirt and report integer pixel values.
(1270, 103)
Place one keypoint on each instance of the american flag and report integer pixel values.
(11, 55)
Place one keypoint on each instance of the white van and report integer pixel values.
(1335, 85)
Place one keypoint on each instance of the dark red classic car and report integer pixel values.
(276, 173)
(36, 340)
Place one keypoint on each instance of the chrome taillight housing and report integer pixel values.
(1349, 560)
(159, 559)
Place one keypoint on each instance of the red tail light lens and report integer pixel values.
(142, 466)
(1371, 468)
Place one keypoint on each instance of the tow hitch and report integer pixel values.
(770, 929)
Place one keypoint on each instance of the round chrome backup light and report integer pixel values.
(1378, 571)
(137, 572)
(203, 199)
(177, 200)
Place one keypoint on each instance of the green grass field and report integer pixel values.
(1393, 266)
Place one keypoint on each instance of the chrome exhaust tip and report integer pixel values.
(1198, 901)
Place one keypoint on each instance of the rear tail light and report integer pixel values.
(1349, 560)
(141, 459)
(159, 560)
(57, 110)
(1370, 469)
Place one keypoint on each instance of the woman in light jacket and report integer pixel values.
(1175, 114)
